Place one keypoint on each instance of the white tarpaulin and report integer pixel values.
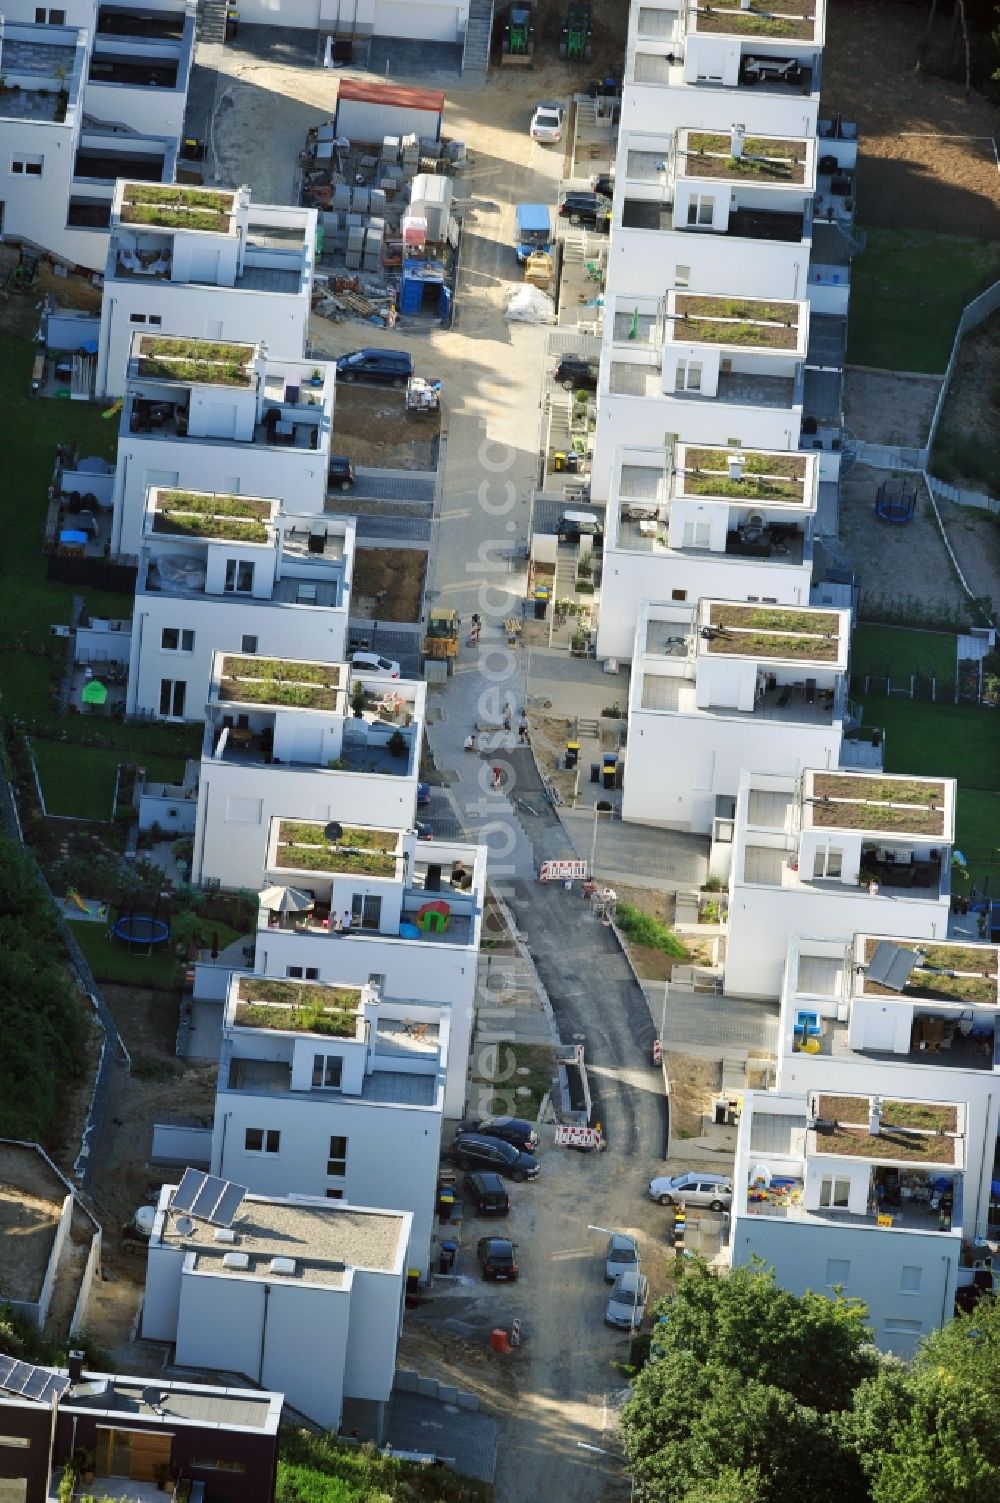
(530, 305)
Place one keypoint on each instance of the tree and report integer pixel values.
(747, 1386)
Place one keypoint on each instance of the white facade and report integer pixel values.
(800, 858)
(303, 755)
(304, 1295)
(699, 717)
(435, 21)
(190, 426)
(87, 108)
(277, 586)
(880, 1228)
(355, 1117)
(249, 280)
(687, 523)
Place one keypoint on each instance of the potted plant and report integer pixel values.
(67, 1482)
(397, 744)
(166, 1476)
(358, 699)
(84, 1462)
(317, 377)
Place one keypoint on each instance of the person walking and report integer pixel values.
(506, 718)
(522, 729)
(497, 779)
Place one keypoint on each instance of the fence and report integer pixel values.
(116, 576)
(972, 315)
(978, 499)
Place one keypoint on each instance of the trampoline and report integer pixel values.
(141, 929)
(896, 501)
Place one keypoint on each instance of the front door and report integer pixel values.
(135, 1454)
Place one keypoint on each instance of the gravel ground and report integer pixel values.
(894, 410)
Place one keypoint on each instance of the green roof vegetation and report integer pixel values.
(277, 681)
(311, 1018)
(196, 360)
(787, 466)
(212, 505)
(749, 488)
(181, 523)
(893, 1143)
(848, 815)
(360, 850)
(179, 195)
(742, 321)
(177, 208)
(923, 1115)
(817, 623)
(881, 790)
(298, 994)
(795, 22)
(701, 305)
(775, 645)
(977, 981)
(710, 155)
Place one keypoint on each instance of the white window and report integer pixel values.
(682, 276)
(173, 692)
(239, 577)
(337, 1162)
(678, 594)
(262, 1140)
(137, 318)
(834, 1192)
(838, 1271)
(334, 1194)
(701, 209)
(697, 534)
(328, 1072)
(45, 17)
(828, 861)
(293, 972)
(27, 166)
(909, 1279)
(244, 811)
(176, 639)
(688, 376)
(249, 646)
(366, 913)
(155, 318)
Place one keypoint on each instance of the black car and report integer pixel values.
(485, 1190)
(584, 208)
(476, 1151)
(512, 1130)
(574, 373)
(340, 473)
(383, 367)
(497, 1258)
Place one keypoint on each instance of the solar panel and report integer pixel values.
(19, 1376)
(187, 1191)
(30, 1382)
(229, 1204)
(36, 1383)
(57, 1384)
(891, 965)
(6, 1368)
(208, 1197)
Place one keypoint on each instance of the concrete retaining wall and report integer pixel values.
(407, 1381)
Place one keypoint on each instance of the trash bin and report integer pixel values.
(572, 754)
(609, 769)
(541, 603)
(447, 1256)
(413, 1281)
(446, 1203)
(595, 772)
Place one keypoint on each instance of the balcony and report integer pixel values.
(161, 26)
(265, 1077)
(916, 879)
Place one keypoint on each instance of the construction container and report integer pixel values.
(371, 111)
(430, 199)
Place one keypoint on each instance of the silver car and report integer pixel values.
(620, 1255)
(713, 1191)
(627, 1304)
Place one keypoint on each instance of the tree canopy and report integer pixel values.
(755, 1395)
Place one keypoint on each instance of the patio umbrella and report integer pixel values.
(286, 900)
(94, 693)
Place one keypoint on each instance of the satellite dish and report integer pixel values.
(153, 1399)
(334, 831)
(185, 1225)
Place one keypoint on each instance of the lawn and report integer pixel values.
(960, 741)
(79, 781)
(110, 960)
(907, 290)
(901, 651)
(29, 603)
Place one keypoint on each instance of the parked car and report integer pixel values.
(711, 1190)
(627, 1304)
(340, 473)
(574, 373)
(547, 122)
(487, 1192)
(573, 525)
(371, 663)
(383, 367)
(497, 1258)
(584, 208)
(604, 185)
(512, 1129)
(476, 1151)
(620, 1255)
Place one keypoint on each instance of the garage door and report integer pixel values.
(417, 18)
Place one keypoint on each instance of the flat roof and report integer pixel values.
(279, 683)
(762, 159)
(886, 805)
(745, 322)
(201, 514)
(325, 1239)
(395, 95)
(298, 1007)
(229, 1408)
(793, 633)
(959, 973)
(177, 207)
(166, 357)
(760, 476)
(765, 20)
(303, 845)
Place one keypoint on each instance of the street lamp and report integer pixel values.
(607, 1232)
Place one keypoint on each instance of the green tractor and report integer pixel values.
(518, 37)
(576, 36)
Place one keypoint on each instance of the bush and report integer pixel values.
(967, 456)
(643, 929)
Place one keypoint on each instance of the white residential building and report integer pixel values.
(281, 741)
(831, 854)
(856, 1194)
(710, 369)
(416, 910)
(332, 1090)
(686, 64)
(232, 574)
(721, 688)
(685, 522)
(302, 1295)
(83, 106)
(207, 263)
(229, 418)
(426, 20)
(932, 1035)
